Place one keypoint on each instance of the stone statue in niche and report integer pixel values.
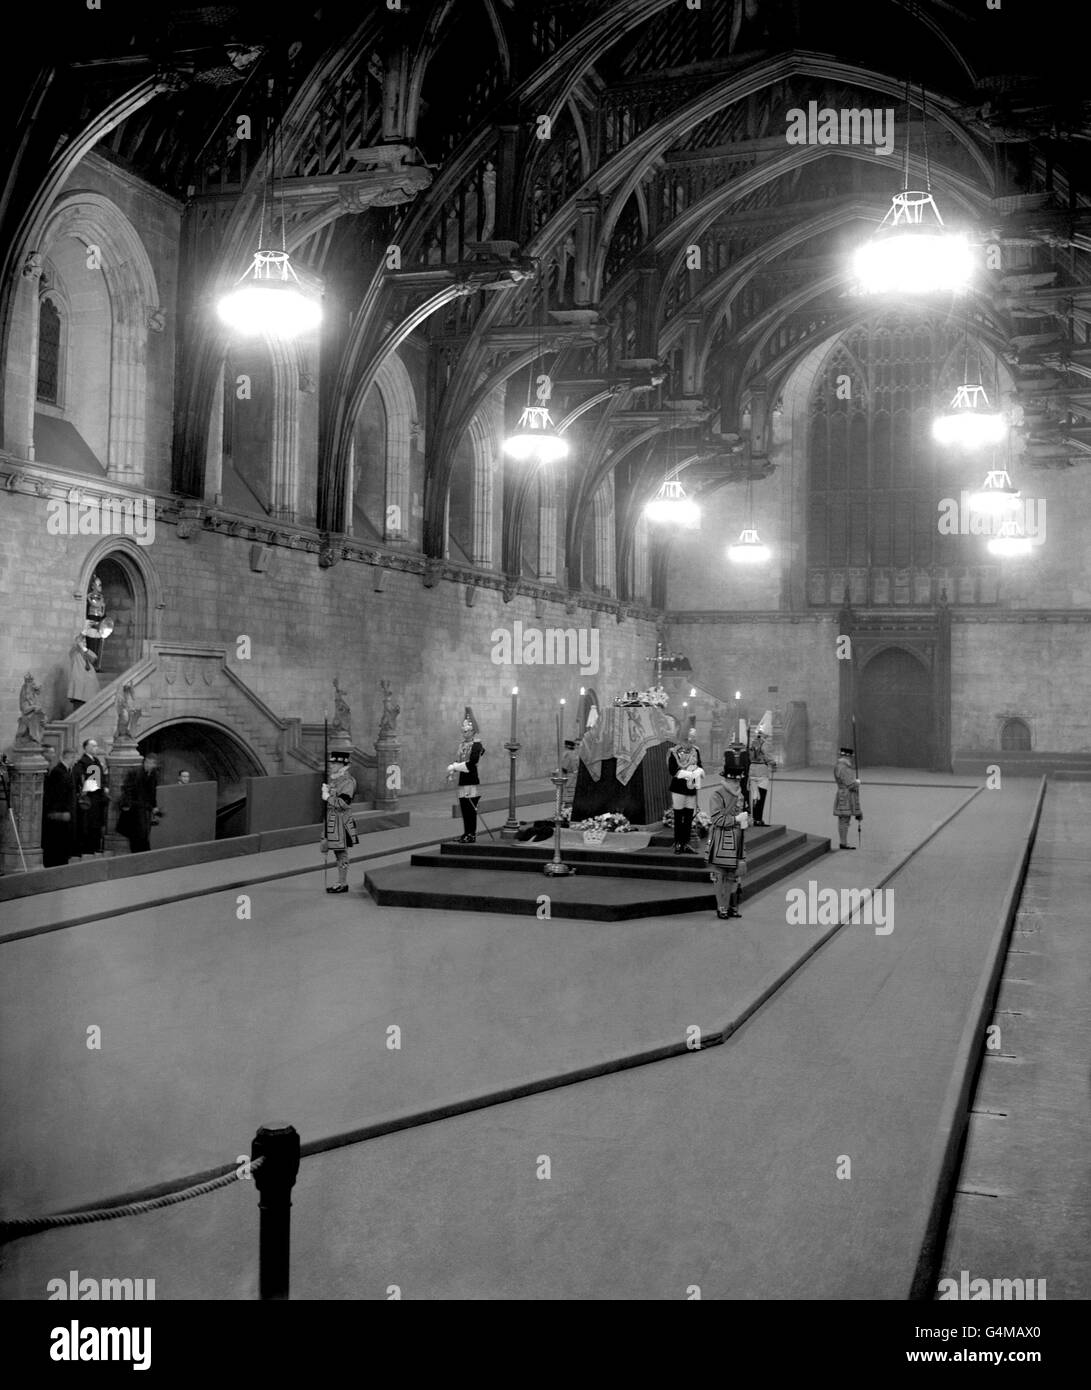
(31, 715)
(128, 716)
(342, 715)
(388, 725)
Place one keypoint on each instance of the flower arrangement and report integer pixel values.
(611, 820)
(701, 822)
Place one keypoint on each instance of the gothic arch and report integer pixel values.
(141, 573)
(133, 294)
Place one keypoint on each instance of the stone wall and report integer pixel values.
(306, 625)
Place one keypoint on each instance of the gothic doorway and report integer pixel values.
(895, 717)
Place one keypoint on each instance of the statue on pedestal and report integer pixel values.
(388, 725)
(128, 716)
(31, 715)
(342, 715)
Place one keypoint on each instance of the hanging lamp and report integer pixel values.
(912, 251)
(969, 423)
(670, 505)
(1011, 543)
(535, 438)
(269, 298)
(996, 497)
(749, 548)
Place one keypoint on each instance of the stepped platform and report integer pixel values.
(608, 885)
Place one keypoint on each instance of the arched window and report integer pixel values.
(50, 338)
(1015, 736)
(875, 484)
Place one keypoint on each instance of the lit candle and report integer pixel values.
(514, 708)
(560, 736)
(581, 714)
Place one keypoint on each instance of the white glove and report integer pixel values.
(325, 792)
(461, 767)
(742, 820)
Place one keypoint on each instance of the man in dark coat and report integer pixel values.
(92, 777)
(59, 812)
(139, 809)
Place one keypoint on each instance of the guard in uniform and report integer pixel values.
(846, 801)
(685, 770)
(340, 828)
(726, 859)
(761, 770)
(470, 753)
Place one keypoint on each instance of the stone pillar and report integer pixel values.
(387, 769)
(26, 769)
(124, 756)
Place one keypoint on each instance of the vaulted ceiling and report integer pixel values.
(627, 159)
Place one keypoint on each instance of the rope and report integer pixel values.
(33, 1225)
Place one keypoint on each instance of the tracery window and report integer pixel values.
(49, 352)
(875, 476)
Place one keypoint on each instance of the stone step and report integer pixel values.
(588, 894)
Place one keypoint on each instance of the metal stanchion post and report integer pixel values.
(278, 1145)
(556, 867)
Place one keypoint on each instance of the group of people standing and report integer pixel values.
(737, 803)
(76, 799)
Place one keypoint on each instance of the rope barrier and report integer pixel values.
(33, 1225)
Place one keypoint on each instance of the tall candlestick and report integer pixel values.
(514, 708)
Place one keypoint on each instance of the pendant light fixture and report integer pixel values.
(670, 505)
(269, 298)
(1011, 543)
(749, 549)
(996, 497)
(970, 423)
(535, 438)
(912, 251)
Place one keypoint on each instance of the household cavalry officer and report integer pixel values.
(340, 828)
(470, 752)
(846, 801)
(685, 770)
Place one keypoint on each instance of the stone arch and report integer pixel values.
(144, 583)
(133, 294)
